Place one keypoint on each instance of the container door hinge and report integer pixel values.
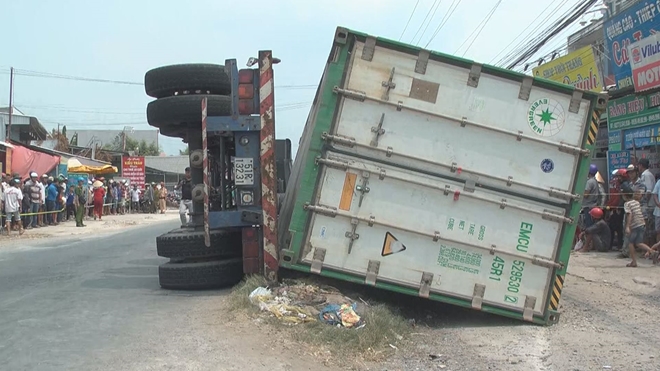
(378, 131)
(545, 263)
(576, 99)
(372, 272)
(567, 148)
(317, 260)
(525, 88)
(369, 48)
(478, 295)
(339, 139)
(364, 187)
(528, 311)
(475, 74)
(388, 85)
(351, 235)
(425, 285)
(422, 61)
(550, 215)
(320, 209)
(558, 193)
(351, 94)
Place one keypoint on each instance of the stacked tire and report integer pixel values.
(179, 90)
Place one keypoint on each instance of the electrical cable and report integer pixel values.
(409, 19)
(533, 49)
(519, 47)
(483, 21)
(443, 21)
(423, 21)
(428, 23)
(521, 32)
(38, 74)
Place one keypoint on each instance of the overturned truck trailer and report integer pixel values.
(436, 176)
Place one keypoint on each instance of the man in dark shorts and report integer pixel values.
(598, 235)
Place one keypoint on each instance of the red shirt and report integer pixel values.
(615, 194)
(99, 194)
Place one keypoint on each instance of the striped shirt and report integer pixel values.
(634, 209)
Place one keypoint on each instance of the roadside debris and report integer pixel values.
(301, 303)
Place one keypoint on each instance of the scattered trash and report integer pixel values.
(341, 315)
(279, 306)
(299, 303)
(394, 347)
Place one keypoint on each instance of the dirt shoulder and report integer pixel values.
(609, 320)
(108, 225)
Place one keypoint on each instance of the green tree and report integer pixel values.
(184, 152)
(142, 148)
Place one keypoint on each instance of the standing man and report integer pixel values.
(13, 202)
(149, 196)
(35, 200)
(185, 206)
(648, 204)
(51, 200)
(135, 199)
(162, 197)
(42, 204)
(80, 200)
(590, 199)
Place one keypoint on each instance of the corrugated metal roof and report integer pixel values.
(167, 164)
(103, 137)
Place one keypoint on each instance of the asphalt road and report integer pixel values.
(95, 304)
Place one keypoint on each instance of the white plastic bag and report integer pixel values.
(578, 245)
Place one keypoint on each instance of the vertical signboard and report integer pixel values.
(617, 160)
(578, 69)
(645, 63)
(633, 24)
(132, 168)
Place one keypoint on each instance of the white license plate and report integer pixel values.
(243, 171)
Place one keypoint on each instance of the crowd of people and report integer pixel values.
(626, 219)
(41, 201)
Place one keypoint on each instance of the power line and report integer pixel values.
(424, 21)
(526, 41)
(38, 74)
(409, 19)
(523, 31)
(578, 12)
(428, 23)
(443, 21)
(484, 22)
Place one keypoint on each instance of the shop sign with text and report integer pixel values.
(633, 24)
(633, 111)
(645, 62)
(578, 69)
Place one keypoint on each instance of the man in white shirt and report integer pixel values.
(42, 203)
(135, 198)
(13, 201)
(648, 205)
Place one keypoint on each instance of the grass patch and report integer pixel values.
(239, 296)
(384, 326)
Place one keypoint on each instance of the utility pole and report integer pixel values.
(11, 103)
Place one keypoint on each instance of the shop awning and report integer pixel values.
(25, 160)
(75, 166)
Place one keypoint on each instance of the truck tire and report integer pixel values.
(190, 244)
(200, 276)
(185, 109)
(167, 80)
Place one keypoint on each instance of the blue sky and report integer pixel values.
(121, 40)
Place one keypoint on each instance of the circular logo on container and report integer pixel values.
(546, 117)
(547, 165)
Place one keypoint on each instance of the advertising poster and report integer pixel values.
(617, 160)
(632, 111)
(645, 62)
(578, 69)
(132, 168)
(631, 25)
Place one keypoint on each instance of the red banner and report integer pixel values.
(133, 168)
